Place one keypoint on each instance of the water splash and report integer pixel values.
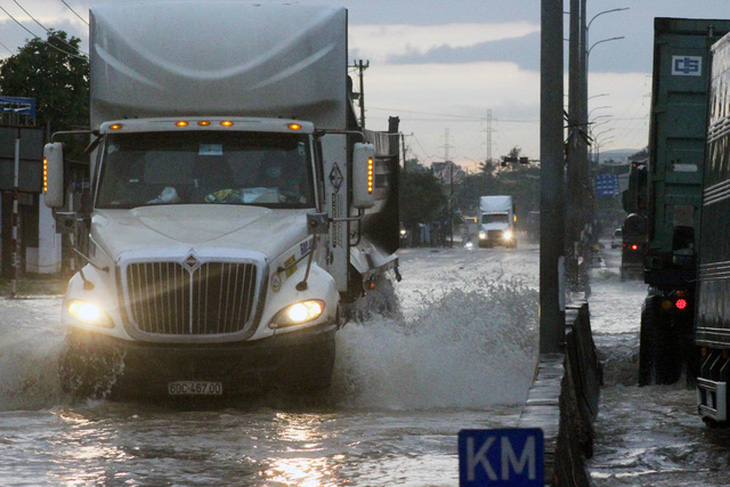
(470, 347)
(30, 343)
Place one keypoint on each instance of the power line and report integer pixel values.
(50, 33)
(36, 37)
(7, 48)
(74, 11)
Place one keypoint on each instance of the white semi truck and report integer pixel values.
(236, 208)
(497, 221)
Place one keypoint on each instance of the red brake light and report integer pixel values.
(681, 303)
(634, 247)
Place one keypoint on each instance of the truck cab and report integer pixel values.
(226, 240)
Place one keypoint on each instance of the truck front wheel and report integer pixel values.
(87, 369)
(309, 368)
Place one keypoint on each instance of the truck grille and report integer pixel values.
(171, 299)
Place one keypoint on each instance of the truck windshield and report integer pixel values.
(205, 167)
(495, 218)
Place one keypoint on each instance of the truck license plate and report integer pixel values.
(194, 388)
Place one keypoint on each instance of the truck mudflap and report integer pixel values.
(95, 365)
(712, 400)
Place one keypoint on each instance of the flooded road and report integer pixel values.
(461, 356)
(648, 436)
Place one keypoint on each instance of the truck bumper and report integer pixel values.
(712, 400)
(294, 361)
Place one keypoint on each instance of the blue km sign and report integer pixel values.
(501, 457)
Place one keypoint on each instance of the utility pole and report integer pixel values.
(552, 190)
(403, 145)
(450, 203)
(361, 66)
(489, 135)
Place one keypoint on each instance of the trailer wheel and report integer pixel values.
(647, 342)
(670, 351)
(660, 348)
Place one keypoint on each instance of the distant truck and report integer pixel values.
(237, 208)
(633, 247)
(713, 285)
(677, 149)
(497, 221)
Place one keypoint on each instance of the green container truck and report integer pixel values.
(713, 284)
(677, 141)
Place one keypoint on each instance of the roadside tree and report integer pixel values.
(56, 75)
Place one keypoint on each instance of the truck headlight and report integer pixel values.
(507, 235)
(298, 313)
(88, 312)
(482, 235)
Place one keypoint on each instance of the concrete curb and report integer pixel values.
(563, 401)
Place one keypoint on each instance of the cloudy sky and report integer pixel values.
(456, 71)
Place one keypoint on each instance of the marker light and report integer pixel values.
(116, 126)
(681, 303)
(204, 123)
(227, 123)
(295, 126)
(299, 313)
(181, 123)
(45, 175)
(371, 179)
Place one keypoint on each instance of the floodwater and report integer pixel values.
(648, 436)
(461, 355)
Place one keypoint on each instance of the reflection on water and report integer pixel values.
(305, 472)
(132, 444)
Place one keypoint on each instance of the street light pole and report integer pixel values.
(575, 147)
(580, 191)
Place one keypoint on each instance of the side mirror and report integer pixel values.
(363, 176)
(53, 190)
